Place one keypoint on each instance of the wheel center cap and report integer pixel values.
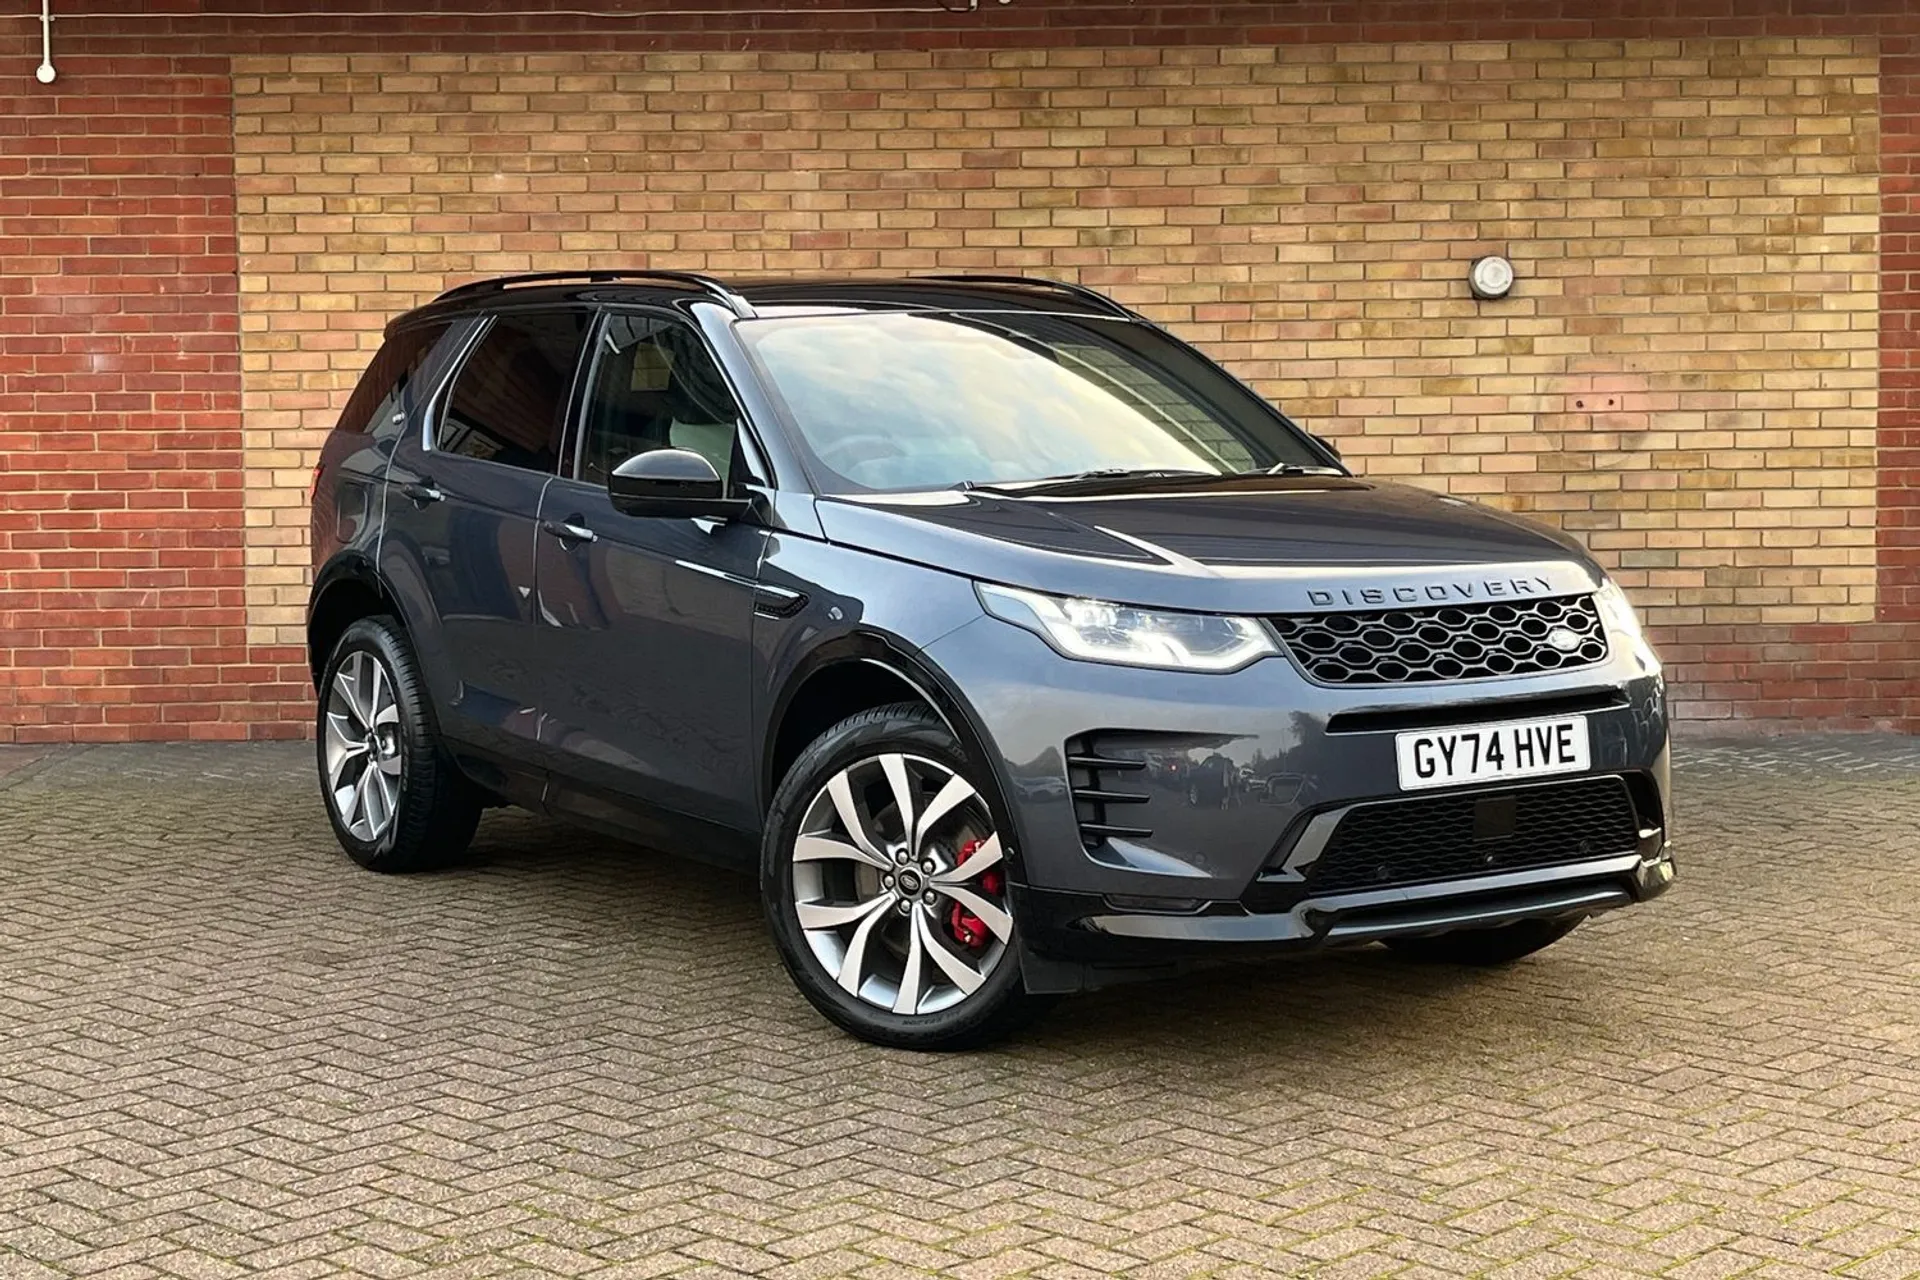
(909, 882)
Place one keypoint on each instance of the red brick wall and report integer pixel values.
(122, 607)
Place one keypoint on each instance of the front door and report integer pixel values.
(649, 619)
(461, 508)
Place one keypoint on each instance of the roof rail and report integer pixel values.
(1080, 291)
(706, 284)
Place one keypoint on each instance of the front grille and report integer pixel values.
(1400, 842)
(1447, 642)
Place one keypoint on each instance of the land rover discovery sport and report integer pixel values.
(1018, 646)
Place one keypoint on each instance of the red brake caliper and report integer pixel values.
(968, 929)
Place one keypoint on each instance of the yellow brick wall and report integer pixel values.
(1685, 373)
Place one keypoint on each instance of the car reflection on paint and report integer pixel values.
(1214, 783)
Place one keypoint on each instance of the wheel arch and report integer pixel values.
(855, 673)
(347, 588)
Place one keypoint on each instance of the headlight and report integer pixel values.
(1623, 624)
(1617, 612)
(1095, 631)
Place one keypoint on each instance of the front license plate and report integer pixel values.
(1485, 752)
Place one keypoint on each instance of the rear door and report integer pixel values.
(462, 501)
(648, 619)
(357, 452)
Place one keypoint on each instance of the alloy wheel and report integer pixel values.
(899, 884)
(363, 746)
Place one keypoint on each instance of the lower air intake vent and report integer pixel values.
(1104, 788)
(1401, 842)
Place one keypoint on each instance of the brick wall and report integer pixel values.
(122, 603)
(1711, 215)
(1899, 498)
(1685, 374)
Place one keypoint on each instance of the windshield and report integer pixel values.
(894, 401)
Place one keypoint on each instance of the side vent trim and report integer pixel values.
(1095, 780)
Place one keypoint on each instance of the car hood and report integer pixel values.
(1249, 544)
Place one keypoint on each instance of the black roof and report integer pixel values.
(957, 292)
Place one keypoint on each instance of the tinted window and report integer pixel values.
(390, 386)
(929, 400)
(509, 402)
(655, 387)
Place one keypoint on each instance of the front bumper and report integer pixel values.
(1077, 942)
(1090, 926)
(1232, 776)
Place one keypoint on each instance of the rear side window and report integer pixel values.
(391, 386)
(509, 401)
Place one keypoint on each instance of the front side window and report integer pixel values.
(929, 400)
(655, 387)
(391, 387)
(509, 401)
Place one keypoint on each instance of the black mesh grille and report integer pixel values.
(1401, 842)
(1448, 642)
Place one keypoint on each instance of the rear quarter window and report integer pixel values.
(391, 388)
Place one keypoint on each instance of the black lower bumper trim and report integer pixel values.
(1366, 924)
(1371, 926)
(1083, 927)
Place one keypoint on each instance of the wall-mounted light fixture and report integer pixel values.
(45, 72)
(1490, 277)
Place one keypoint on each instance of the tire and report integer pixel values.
(1208, 797)
(851, 886)
(419, 811)
(1485, 948)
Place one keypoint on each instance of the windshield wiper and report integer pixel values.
(1295, 469)
(1094, 475)
(1096, 478)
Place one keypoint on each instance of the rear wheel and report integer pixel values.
(396, 799)
(885, 881)
(1486, 947)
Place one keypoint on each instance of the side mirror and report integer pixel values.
(671, 482)
(1326, 444)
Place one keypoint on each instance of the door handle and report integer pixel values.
(422, 492)
(568, 531)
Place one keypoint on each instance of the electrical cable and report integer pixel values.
(937, 6)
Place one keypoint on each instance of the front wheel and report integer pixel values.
(885, 882)
(1485, 948)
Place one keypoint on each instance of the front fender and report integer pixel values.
(861, 608)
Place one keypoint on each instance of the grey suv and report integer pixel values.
(1018, 646)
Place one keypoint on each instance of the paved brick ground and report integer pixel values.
(225, 1050)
